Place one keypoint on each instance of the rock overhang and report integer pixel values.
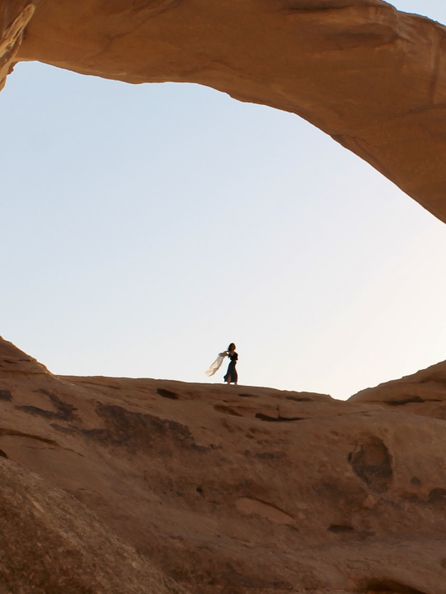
(366, 74)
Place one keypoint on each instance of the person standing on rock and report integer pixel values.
(231, 376)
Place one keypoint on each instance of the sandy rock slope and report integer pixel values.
(216, 489)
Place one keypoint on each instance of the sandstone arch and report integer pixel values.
(370, 76)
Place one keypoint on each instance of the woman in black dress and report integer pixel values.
(231, 376)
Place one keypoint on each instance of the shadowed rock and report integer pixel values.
(372, 462)
(52, 543)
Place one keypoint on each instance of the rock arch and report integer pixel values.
(371, 77)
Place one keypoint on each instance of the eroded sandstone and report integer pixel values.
(370, 76)
(14, 18)
(51, 543)
(216, 492)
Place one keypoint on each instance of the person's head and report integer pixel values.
(231, 347)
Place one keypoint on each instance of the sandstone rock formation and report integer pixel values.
(370, 76)
(14, 17)
(51, 543)
(145, 486)
(421, 393)
(216, 489)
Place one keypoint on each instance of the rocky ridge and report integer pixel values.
(207, 489)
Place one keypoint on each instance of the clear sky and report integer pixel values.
(146, 227)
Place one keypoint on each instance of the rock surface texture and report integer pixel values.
(149, 486)
(370, 76)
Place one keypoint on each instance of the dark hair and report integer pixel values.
(231, 347)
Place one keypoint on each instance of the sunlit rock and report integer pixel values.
(213, 488)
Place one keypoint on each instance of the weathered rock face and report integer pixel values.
(219, 489)
(371, 77)
(52, 543)
(14, 17)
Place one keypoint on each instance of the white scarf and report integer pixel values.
(215, 365)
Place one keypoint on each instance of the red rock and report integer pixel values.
(242, 490)
(51, 543)
(361, 71)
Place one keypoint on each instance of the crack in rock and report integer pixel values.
(267, 511)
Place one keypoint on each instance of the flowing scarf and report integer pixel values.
(215, 365)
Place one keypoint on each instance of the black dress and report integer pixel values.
(231, 375)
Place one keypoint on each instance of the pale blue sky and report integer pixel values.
(146, 227)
